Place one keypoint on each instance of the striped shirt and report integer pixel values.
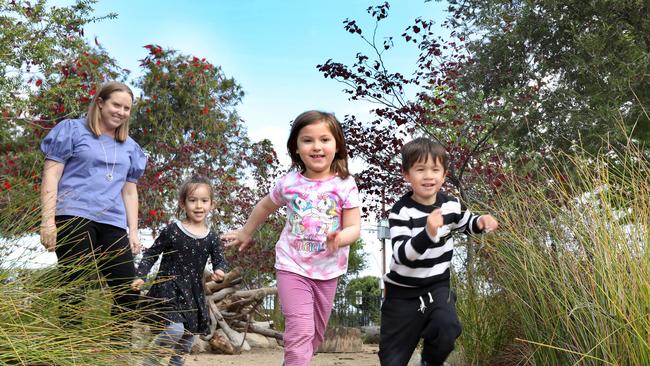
(421, 261)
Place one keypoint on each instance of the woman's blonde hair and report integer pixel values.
(94, 115)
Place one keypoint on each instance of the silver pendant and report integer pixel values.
(109, 177)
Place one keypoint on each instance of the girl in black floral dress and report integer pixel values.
(185, 247)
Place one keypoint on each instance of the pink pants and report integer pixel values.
(306, 306)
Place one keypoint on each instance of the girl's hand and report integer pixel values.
(134, 242)
(434, 221)
(217, 276)
(48, 237)
(487, 223)
(332, 243)
(237, 238)
(137, 283)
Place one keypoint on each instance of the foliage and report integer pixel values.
(185, 118)
(562, 268)
(32, 333)
(368, 287)
(433, 111)
(47, 73)
(568, 69)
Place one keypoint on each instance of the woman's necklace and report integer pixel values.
(109, 173)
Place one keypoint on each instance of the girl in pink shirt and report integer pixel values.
(323, 219)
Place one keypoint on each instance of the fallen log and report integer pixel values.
(267, 332)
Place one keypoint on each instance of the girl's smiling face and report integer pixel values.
(317, 148)
(198, 204)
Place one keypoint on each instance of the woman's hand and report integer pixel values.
(237, 238)
(48, 237)
(136, 284)
(134, 243)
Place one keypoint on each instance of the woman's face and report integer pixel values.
(114, 111)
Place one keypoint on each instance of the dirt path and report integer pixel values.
(273, 357)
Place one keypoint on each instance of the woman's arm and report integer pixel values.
(52, 172)
(130, 197)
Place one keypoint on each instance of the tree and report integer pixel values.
(466, 130)
(47, 73)
(185, 120)
(570, 69)
(370, 291)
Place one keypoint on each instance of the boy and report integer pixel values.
(419, 302)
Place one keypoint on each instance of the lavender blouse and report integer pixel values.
(95, 171)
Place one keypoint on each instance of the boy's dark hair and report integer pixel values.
(421, 149)
(190, 186)
(340, 162)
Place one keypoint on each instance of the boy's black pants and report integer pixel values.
(85, 249)
(405, 321)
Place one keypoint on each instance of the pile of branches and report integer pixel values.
(232, 311)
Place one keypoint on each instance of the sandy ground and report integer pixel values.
(273, 357)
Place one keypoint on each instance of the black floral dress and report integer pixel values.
(178, 292)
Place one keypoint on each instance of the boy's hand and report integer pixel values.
(217, 276)
(434, 221)
(332, 243)
(136, 284)
(237, 238)
(487, 223)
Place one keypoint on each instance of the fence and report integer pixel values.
(356, 311)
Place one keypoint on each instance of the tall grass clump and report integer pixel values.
(31, 329)
(573, 259)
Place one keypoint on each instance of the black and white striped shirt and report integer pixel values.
(421, 261)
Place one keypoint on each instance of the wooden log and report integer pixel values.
(221, 294)
(221, 344)
(230, 279)
(232, 335)
(267, 332)
(254, 294)
(237, 339)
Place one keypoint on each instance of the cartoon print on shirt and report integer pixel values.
(300, 204)
(313, 217)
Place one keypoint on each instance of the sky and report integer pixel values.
(271, 48)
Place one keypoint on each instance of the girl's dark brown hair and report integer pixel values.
(190, 186)
(94, 116)
(340, 162)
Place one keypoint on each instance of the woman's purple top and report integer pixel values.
(84, 189)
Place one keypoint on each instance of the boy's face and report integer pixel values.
(426, 179)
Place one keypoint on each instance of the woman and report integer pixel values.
(89, 195)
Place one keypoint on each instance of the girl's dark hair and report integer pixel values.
(188, 187)
(340, 162)
(421, 149)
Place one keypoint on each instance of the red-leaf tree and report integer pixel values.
(48, 72)
(185, 119)
(423, 102)
(187, 123)
(466, 129)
